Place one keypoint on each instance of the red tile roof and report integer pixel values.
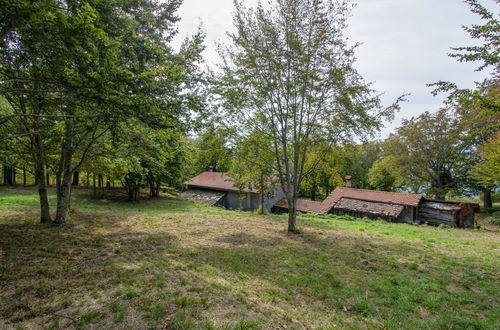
(302, 205)
(370, 196)
(215, 180)
(375, 208)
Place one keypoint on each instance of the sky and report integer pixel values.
(404, 45)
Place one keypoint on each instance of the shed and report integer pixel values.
(449, 213)
(220, 182)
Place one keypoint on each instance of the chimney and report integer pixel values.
(348, 181)
(210, 168)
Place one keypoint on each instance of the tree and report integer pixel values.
(487, 171)
(430, 149)
(72, 71)
(328, 173)
(479, 108)
(253, 164)
(386, 175)
(288, 73)
(212, 148)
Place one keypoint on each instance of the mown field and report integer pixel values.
(173, 264)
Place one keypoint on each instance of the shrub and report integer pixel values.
(494, 219)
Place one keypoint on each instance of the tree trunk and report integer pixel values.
(65, 176)
(76, 179)
(292, 211)
(24, 177)
(133, 183)
(487, 202)
(93, 186)
(40, 178)
(63, 198)
(13, 176)
(48, 179)
(7, 178)
(292, 216)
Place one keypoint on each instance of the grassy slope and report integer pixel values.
(175, 264)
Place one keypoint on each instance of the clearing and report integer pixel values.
(173, 264)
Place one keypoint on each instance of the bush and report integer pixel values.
(494, 219)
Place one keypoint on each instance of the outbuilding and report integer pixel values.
(217, 188)
(391, 206)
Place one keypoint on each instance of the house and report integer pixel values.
(390, 206)
(217, 188)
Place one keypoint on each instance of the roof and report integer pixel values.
(370, 196)
(375, 208)
(302, 205)
(216, 181)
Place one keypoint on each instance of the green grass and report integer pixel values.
(170, 263)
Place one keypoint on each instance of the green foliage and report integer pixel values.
(385, 175)
(431, 152)
(87, 78)
(487, 171)
(211, 148)
(494, 218)
(479, 108)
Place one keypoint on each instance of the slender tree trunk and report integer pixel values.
(48, 179)
(13, 176)
(292, 212)
(93, 186)
(40, 178)
(65, 176)
(24, 177)
(487, 202)
(76, 179)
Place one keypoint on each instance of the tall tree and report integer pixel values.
(430, 149)
(288, 73)
(479, 108)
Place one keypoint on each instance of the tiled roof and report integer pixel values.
(215, 180)
(378, 209)
(370, 196)
(302, 205)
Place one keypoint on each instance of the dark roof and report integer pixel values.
(302, 205)
(215, 180)
(375, 208)
(370, 196)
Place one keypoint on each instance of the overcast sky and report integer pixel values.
(404, 44)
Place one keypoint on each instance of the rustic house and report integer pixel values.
(217, 188)
(390, 206)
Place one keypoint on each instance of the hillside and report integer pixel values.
(168, 263)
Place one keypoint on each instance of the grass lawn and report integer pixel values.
(173, 264)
